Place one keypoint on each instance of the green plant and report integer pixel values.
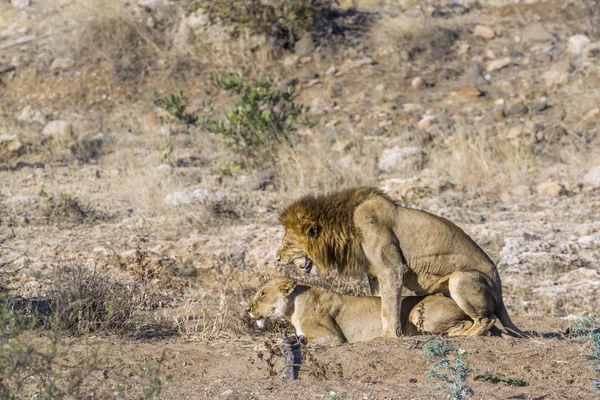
(261, 120)
(175, 105)
(440, 350)
(284, 19)
(589, 328)
(493, 377)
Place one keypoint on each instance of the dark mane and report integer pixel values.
(338, 242)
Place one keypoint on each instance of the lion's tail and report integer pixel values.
(508, 325)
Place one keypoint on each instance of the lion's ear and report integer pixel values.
(311, 231)
(287, 287)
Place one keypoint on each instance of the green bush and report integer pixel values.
(175, 105)
(589, 328)
(285, 19)
(455, 379)
(261, 120)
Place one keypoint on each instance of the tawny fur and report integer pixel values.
(326, 317)
(363, 231)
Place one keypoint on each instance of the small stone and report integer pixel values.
(402, 159)
(577, 44)
(592, 115)
(198, 19)
(417, 83)
(62, 63)
(490, 55)
(469, 92)
(557, 74)
(304, 46)
(551, 189)
(518, 110)
(473, 74)
(9, 145)
(592, 178)
(592, 50)
(20, 3)
(496, 65)
(426, 122)
(536, 33)
(498, 114)
(366, 61)
(484, 31)
(227, 393)
(332, 70)
(59, 129)
(195, 195)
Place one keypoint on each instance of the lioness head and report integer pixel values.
(270, 301)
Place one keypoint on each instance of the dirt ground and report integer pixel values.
(484, 112)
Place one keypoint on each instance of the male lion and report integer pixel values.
(326, 317)
(362, 230)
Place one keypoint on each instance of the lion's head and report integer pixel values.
(270, 300)
(319, 230)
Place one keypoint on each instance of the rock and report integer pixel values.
(473, 75)
(202, 195)
(20, 3)
(59, 130)
(592, 115)
(551, 189)
(536, 33)
(304, 46)
(484, 31)
(426, 122)
(401, 159)
(227, 393)
(417, 83)
(332, 70)
(592, 178)
(557, 74)
(28, 114)
(518, 110)
(260, 181)
(469, 92)
(592, 50)
(577, 44)
(496, 65)
(9, 145)
(149, 4)
(62, 63)
(198, 19)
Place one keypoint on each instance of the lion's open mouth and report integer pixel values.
(304, 263)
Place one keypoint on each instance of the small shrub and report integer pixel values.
(175, 105)
(492, 377)
(88, 301)
(66, 207)
(261, 120)
(589, 328)
(287, 20)
(440, 350)
(36, 368)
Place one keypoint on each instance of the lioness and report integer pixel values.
(362, 230)
(326, 317)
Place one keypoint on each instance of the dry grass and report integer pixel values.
(404, 39)
(475, 158)
(314, 168)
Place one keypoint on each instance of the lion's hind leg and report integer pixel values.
(473, 294)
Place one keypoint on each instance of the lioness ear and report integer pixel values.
(287, 287)
(312, 231)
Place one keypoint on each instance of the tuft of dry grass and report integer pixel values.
(404, 38)
(313, 167)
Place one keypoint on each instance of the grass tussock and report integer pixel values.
(410, 38)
